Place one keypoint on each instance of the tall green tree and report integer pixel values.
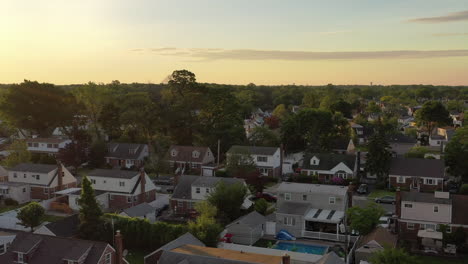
(18, 154)
(97, 153)
(391, 255)
(31, 215)
(205, 227)
(456, 154)
(431, 115)
(364, 220)
(228, 199)
(311, 99)
(91, 221)
(378, 157)
(240, 162)
(261, 206)
(281, 112)
(262, 136)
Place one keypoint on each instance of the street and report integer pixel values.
(362, 201)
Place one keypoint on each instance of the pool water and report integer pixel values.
(301, 248)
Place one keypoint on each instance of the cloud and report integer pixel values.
(449, 34)
(450, 17)
(251, 54)
(335, 32)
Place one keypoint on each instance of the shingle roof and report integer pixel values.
(431, 168)
(185, 239)
(251, 220)
(113, 173)
(122, 150)
(293, 208)
(423, 198)
(139, 210)
(253, 150)
(184, 153)
(328, 161)
(32, 167)
(340, 144)
(294, 187)
(53, 249)
(380, 235)
(169, 257)
(331, 258)
(459, 206)
(66, 227)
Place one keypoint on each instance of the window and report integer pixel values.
(431, 226)
(436, 209)
(407, 205)
(287, 196)
(15, 175)
(262, 159)
(121, 184)
(410, 226)
(129, 199)
(36, 145)
(104, 181)
(20, 257)
(431, 182)
(289, 221)
(24, 176)
(207, 190)
(49, 145)
(111, 197)
(304, 197)
(46, 190)
(195, 165)
(449, 229)
(331, 200)
(197, 190)
(400, 179)
(174, 153)
(55, 145)
(180, 204)
(93, 181)
(108, 259)
(24, 190)
(341, 175)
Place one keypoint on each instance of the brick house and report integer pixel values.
(126, 155)
(189, 157)
(425, 175)
(35, 248)
(191, 189)
(44, 179)
(329, 165)
(125, 188)
(267, 159)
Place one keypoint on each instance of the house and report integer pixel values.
(44, 179)
(18, 191)
(441, 136)
(191, 158)
(312, 210)
(413, 109)
(6, 238)
(267, 159)
(142, 210)
(457, 118)
(424, 175)
(49, 146)
(39, 249)
(401, 144)
(125, 188)
(66, 227)
(247, 229)
(374, 242)
(192, 189)
(343, 146)
(102, 197)
(126, 155)
(358, 130)
(186, 239)
(326, 166)
(3, 174)
(331, 258)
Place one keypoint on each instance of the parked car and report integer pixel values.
(386, 199)
(363, 189)
(384, 221)
(267, 196)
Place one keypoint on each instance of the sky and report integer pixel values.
(304, 42)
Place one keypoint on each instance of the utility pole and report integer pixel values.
(219, 144)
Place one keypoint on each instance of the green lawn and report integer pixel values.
(136, 256)
(52, 218)
(9, 208)
(441, 260)
(379, 193)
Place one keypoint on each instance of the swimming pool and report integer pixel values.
(301, 248)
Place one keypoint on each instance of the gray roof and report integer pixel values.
(122, 150)
(185, 239)
(114, 173)
(294, 187)
(66, 227)
(331, 258)
(268, 151)
(184, 153)
(33, 167)
(423, 198)
(169, 257)
(183, 189)
(293, 208)
(251, 220)
(431, 168)
(139, 210)
(212, 181)
(328, 161)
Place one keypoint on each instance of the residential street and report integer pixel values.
(362, 201)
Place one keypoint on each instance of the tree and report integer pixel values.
(110, 120)
(31, 215)
(91, 222)
(37, 107)
(391, 255)
(456, 154)
(228, 199)
(342, 107)
(364, 220)
(431, 115)
(18, 154)
(97, 153)
(272, 122)
(205, 227)
(261, 206)
(75, 153)
(240, 162)
(280, 112)
(372, 108)
(379, 155)
(311, 100)
(262, 136)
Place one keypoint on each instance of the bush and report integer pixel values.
(464, 189)
(221, 174)
(11, 202)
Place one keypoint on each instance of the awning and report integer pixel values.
(68, 191)
(324, 216)
(430, 234)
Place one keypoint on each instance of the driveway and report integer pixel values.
(363, 201)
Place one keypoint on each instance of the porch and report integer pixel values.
(326, 225)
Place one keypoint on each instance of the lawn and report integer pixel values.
(11, 207)
(379, 193)
(441, 260)
(136, 256)
(52, 218)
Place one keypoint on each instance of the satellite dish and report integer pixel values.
(125, 253)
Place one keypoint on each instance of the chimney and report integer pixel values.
(286, 259)
(142, 184)
(118, 248)
(398, 202)
(59, 176)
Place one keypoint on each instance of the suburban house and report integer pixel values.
(312, 210)
(44, 179)
(102, 197)
(458, 118)
(143, 210)
(343, 146)
(18, 191)
(6, 238)
(186, 239)
(3, 174)
(189, 158)
(266, 159)
(413, 109)
(358, 130)
(35, 248)
(401, 144)
(247, 229)
(441, 136)
(426, 175)
(326, 166)
(125, 188)
(126, 155)
(192, 189)
(46, 145)
(66, 227)
(374, 242)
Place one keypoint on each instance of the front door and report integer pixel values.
(415, 183)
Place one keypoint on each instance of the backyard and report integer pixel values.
(136, 256)
(441, 260)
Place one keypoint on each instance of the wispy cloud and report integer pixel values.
(449, 34)
(250, 54)
(335, 32)
(450, 17)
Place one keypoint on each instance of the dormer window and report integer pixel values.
(173, 153)
(20, 257)
(314, 161)
(195, 154)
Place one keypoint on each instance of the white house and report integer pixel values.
(46, 145)
(20, 192)
(266, 159)
(328, 165)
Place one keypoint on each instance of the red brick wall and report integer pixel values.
(120, 201)
(408, 182)
(406, 233)
(38, 193)
(184, 210)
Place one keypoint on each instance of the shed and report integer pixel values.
(247, 229)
